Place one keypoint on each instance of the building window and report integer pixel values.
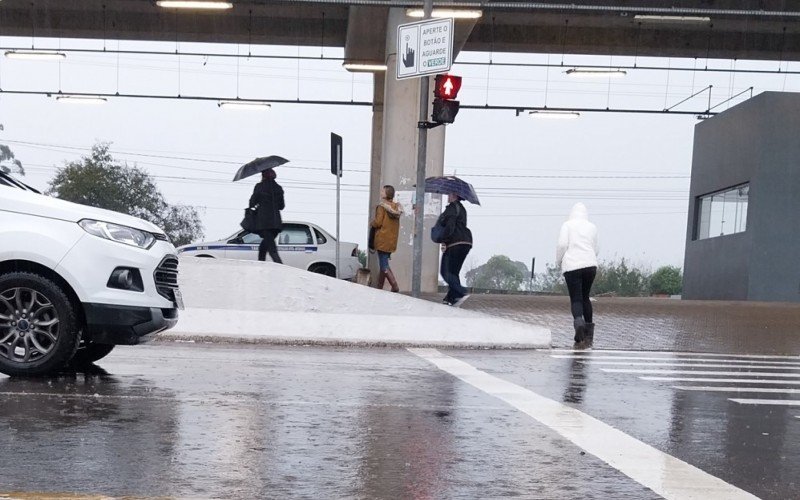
(723, 212)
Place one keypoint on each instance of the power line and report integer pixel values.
(202, 160)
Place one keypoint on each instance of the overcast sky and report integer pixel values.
(631, 170)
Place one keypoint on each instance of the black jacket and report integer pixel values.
(268, 196)
(456, 215)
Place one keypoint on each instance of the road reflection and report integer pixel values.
(576, 382)
(116, 434)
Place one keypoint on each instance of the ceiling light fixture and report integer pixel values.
(596, 72)
(39, 55)
(81, 99)
(671, 19)
(245, 105)
(194, 4)
(554, 114)
(365, 67)
(454, 13)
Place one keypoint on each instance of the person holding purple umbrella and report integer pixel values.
(456, 240)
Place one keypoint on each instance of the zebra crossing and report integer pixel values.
(749, 379)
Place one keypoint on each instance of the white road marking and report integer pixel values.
(716, 388)
(664, 358)
(689, 364)
(670, 353)
(775, 402)
(722, 380)
(664, 474)
(701, 372)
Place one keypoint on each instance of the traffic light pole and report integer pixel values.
(422, 154)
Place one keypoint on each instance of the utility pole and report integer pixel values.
(422, 154)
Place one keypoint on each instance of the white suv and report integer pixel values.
(76, 280)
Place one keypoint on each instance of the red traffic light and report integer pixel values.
(447, 86)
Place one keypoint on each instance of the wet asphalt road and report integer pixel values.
(181, 420)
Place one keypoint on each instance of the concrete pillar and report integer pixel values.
(375, 162)
(399, 163)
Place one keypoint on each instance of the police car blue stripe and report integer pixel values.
(282, 248)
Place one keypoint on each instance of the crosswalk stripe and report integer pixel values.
(662, 358)
(721, 380)
(773, 402)
(710, 388)
(689, 365)
(700, 372)
(664, 474)
(670, 353)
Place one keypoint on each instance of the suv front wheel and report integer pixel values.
(38, 326)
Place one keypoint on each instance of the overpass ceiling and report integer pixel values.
(510, 26)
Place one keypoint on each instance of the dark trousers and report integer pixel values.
(579, 284)
(268, 246)
(452, 261)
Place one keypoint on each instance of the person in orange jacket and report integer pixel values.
(387, 229)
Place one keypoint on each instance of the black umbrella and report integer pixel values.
(259, 165)
(452, 185)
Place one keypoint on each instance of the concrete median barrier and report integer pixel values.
(240, 301)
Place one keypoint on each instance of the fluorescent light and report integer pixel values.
(365, 67)
(194, 4)
(249, 105)
(596, 72)
(554, 114)
(40, 55)
(81, 99)
(671, 19)
(454, 13)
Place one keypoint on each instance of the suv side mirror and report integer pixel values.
(236, 241)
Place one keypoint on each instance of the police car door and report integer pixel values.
(243, 247)
(297, 246)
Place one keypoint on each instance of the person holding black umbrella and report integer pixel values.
(267, 200)
(452, 232)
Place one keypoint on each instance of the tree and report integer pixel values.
(550, 281)
(613, 278)
(499, 273)
(362, 258)
(9, 162)
(667, 280)
(622, 279)
(99, 181)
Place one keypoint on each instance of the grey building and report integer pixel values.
(743, 231)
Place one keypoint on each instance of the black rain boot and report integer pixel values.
(580, 329)
(589, 338)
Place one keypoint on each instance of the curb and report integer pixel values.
(278, 341)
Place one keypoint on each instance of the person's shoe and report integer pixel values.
(589, 337)
(580, 330)
(581, 346)
(460, 302)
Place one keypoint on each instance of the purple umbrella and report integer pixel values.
(452, 185)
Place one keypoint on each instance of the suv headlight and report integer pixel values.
(120, 234)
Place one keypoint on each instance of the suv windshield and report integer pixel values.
(7, 180)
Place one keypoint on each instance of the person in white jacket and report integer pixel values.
(577, 256)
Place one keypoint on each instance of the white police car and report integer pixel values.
(300, 244)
